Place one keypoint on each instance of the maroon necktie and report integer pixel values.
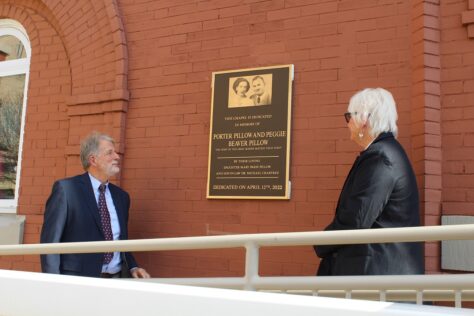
(258, 100)
(105, 221)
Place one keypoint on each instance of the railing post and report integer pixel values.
(348, 294)
(419, 297)
(251, 265)
(457, 298)
(383, 295)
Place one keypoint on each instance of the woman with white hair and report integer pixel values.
(380, 191)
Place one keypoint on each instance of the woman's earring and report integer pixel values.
(361, 135)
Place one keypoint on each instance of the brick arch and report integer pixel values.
(92, 34)
(72, 22)
(24, 12)
(47, 125)
(94, 37)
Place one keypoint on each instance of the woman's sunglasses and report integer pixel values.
(348, 116)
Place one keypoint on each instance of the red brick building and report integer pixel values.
(141, 71)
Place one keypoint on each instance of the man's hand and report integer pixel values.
(140, 273)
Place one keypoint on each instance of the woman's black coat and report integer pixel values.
(379, 192)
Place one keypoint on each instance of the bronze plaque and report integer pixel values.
(250, 134)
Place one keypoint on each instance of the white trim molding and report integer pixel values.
(10, 68)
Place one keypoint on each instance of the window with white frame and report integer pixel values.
(15, 54)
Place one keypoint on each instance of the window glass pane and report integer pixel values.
(11, 48)
(11, 104)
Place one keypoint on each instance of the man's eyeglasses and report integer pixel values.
(348, 116)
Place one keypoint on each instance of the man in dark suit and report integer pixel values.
(88, 207)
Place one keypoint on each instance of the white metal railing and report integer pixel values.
(415, 288)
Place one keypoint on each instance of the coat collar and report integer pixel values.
(88, 191)
(382, 136)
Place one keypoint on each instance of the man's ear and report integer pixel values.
(92, 160)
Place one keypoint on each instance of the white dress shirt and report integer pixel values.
(114, 265)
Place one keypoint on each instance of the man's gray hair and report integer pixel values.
(377, 106)
(90, 146)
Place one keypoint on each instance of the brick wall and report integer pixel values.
(457, 114)
(141, 71)
(336, 47)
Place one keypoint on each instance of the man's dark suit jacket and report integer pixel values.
(72, 215)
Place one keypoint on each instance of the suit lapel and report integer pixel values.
(89, 198)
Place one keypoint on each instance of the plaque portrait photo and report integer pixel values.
(249, 141)
(250, 90)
